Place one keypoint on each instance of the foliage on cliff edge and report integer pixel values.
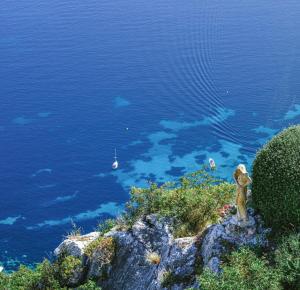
(193, 202)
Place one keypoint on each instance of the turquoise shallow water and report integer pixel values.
(169, 84)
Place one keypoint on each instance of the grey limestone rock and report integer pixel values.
(132, 270)
(148, 253)
(232, 234)
(132, 267)
(75, 245)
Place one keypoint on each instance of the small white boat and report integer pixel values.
(115, 164)
(212, 163)
(1, 269)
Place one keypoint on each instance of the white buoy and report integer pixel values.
(115, 164)
(1, 269)
(212, 164)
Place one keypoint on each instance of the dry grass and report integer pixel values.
(153, 258)
(75, 233)
(79, 238)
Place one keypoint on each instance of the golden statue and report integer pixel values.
(242, 180)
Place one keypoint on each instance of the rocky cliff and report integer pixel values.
(148, 256)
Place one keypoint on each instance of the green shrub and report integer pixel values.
(45, 276)
(106, 226)
(42, 278)
(193, 202)
(169, 279)
(287, 258)
(4, 281)
(57, 275)
(66, 267)
(89, 285)
(23, 279)
(243, 271)
(276, 180)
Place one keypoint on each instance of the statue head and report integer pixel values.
(241, 176)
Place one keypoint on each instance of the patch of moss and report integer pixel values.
(169, 279)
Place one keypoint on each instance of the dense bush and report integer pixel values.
(244, 271)
(193, 202)
(42, 278)
(66, 267)
(276, 180)
(287, 258)
(89, 285)
(45, 276)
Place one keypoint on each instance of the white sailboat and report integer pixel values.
(212, 164)
(115, 164)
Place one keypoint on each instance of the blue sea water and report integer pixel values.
(167, 83)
